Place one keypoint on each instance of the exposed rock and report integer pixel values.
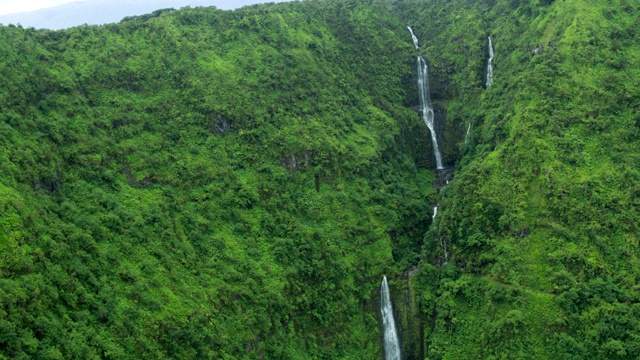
(538, 50)
(409, 319)
(296, 162)
(443, 176)
(222, 125)
(409, 273)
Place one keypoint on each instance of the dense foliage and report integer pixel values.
(542, 219)
(206, 184)
(212, 184)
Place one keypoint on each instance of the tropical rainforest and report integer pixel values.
(209, 184)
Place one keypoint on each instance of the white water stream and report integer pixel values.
(490, 64)
(413, 37)
(426, 107)
(466, 137)
(391, 341)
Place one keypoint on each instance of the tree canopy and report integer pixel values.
(220, 184)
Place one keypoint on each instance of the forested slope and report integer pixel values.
(212, 184)
(206, 184)
(542, 219)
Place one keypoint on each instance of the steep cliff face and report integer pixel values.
(211, 184)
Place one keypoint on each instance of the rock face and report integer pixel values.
(537, 50)
(449, 132)
(443, 176)
(409, 319)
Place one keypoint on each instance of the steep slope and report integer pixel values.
(206, 184)
(211, 184)
(542, 219)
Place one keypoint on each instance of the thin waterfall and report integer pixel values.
(427, 108)
(443, 243)
(490, 65)
(415, 39)
(466, 137)
(391, 342)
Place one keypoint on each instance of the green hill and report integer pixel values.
(234, 184)
(542, 219)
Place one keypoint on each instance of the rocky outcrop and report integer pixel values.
(443, 176)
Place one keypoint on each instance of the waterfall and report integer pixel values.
(443, 242)
(466, 137)
(391, 342)
(490, 65)
(426, 108)
(415, 39)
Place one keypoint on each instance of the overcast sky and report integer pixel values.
(62, 14)
(16, 6)
(20, 6)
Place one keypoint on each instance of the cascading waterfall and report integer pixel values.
(425, 101)
(427, 108)
(490, 65)
(415, 39)
(429, 120)
(391, 342)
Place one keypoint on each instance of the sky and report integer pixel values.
(62, 14)
(17, 6)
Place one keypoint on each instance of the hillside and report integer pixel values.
(234, 184)
(206, 184)
(541, 222)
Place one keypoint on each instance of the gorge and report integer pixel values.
(210, 184)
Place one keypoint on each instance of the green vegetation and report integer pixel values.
(542, 219)
(206, 184)
(233, 185)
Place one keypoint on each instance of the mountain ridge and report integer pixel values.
(98, 12)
